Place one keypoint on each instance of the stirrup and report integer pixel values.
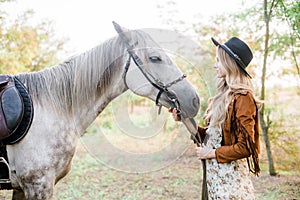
(3, 162)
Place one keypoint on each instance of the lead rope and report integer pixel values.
(193, 129)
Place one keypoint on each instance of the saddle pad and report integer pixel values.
(12, 106)
(26, 121)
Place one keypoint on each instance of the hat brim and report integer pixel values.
(240, 64)
(215, 42)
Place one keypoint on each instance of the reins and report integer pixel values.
(193, 129)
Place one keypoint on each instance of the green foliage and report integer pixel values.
(2, 1)
(290, 10)
(24, 47)
(284, 129)
(249, 25)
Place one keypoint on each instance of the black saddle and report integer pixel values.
(16, 114)
(16, 110)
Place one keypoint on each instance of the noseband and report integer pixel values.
(163, 88)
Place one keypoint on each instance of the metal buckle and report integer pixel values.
(4, 180)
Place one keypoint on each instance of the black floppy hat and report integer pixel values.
(238, 50)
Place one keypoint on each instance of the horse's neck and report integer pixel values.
(109, 86)
(78, 89)
(93, 108)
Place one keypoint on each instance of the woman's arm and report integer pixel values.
(245, 111)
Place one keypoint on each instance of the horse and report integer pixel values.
(69, 96)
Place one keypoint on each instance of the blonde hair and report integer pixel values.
(234, 82)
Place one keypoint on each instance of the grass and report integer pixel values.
(181, 180)
(92, 180)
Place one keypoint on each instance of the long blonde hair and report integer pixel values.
(234, 82)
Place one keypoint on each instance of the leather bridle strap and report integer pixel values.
(163, 88)
(157, 84)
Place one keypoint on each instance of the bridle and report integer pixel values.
(163, 88)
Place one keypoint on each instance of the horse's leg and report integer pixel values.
(37, 184)
(38, 191)
(18, 195)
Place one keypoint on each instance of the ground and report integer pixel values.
(180, 180)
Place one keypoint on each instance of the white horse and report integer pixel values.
(68, 97)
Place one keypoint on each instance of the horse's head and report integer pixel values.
(151, 73)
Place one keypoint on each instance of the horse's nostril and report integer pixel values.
(196, 102)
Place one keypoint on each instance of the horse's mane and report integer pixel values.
(79, 79)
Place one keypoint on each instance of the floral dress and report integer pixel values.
(226, 180)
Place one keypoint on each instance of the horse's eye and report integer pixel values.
(155, 58)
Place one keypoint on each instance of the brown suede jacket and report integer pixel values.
(240, 131)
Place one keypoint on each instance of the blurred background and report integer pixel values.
(36, 34)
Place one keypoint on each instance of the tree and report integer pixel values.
(24, 47)
(286, 41)
(266, 124)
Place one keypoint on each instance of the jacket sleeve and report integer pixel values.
(245, 112)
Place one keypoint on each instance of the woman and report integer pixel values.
(232, 133)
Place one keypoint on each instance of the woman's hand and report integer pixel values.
(175, 115)
(205, 153)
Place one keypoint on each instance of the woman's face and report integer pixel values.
(219, 68)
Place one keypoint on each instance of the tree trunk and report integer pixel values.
(265, 125)
(265, 128)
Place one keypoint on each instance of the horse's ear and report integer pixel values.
(125, 35)
(118, 28)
